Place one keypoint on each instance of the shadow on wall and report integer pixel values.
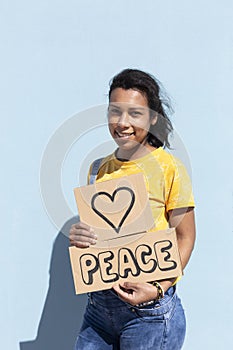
(63, 310)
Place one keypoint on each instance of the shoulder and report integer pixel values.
(166, 159)
(171, 165)
(101, 162)
(98, 166)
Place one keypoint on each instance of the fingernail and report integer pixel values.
(93, 241)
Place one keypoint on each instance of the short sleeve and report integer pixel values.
(178, 190)
(89, 174)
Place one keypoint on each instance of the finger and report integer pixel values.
(122, 295)
(80, 244)
(82, 237)
(116, 287)
(130, 285)
(79, 239)
(82, 225)
(82, 233)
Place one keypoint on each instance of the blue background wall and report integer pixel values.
(56, 59)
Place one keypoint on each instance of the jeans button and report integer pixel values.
(132, 309)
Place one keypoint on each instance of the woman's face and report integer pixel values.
(129, 119)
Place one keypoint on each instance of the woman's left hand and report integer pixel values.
(136, 293)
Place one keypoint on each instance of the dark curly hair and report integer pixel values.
(157, 102)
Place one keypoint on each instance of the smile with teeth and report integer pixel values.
(124, 135)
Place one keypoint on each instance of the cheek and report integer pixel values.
(111, 128)
(143, 129)
(142, 123)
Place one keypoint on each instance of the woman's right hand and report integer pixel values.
(82, 235)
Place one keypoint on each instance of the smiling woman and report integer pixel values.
(140, 315)
(129, 122)
(156, 101)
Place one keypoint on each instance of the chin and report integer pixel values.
(127, 144)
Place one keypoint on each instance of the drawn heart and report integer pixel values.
(112, 198)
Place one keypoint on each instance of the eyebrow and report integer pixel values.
(130, 108)
(112, 105)
(140, 108)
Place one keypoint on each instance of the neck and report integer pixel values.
(135, 153)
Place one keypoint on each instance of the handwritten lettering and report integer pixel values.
(162, 250)
(89, 265)
(109, 266)
(106, 267)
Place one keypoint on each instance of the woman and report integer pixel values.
(140, 315)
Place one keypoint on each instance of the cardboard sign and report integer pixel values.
(117, 209)
(119, 212)
(154, 256)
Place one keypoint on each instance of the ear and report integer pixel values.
(154, 119)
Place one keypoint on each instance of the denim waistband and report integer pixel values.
(105, 298)
(109, 298)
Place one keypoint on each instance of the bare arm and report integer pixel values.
(184, 222)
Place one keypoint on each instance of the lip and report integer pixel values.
(123, 135)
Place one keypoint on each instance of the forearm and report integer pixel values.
(185, 246)
(185, 249)
(184, 222)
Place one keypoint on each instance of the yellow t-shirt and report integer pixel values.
(167, 182)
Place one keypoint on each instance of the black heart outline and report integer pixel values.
(112, 197)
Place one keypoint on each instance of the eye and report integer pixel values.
(136, 113)
(114, 111)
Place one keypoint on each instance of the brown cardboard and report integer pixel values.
(116, 209)
(153, 256)
(119, 212)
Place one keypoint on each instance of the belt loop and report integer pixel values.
(90, 298)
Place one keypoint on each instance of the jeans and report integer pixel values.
(110, 323)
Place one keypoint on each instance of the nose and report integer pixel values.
(123, 120)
